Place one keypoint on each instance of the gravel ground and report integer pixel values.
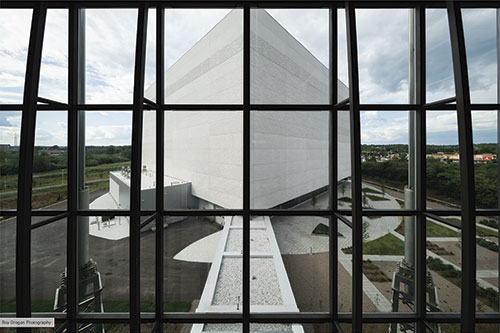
(264, 286)
(259, 241)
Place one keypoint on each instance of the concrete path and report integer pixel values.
(203, 250)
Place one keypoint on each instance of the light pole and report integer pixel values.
(89, 278)
(404, 277)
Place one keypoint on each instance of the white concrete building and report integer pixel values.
(289, 150)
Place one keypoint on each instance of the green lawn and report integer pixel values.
(385, 245)
(480, 231)
(433, 230)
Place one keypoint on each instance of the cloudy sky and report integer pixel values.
(383, 61)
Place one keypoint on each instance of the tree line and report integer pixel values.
(43, 161)
(442, 179)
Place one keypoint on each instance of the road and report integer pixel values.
(184, 281)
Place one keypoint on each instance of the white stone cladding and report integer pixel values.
(289, 149)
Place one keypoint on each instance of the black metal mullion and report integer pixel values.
(25, 181)
(74, 18)
(421, 194)
(246, 169)
(466, 150)
(332, 166)
(160, 160)
(357, 214)
(135, 178)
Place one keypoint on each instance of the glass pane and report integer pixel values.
(387, 263)
(150, 70)
(440, 82)
(199, 276)
(444, 255)
(384, 159)
(206, 64)
(487, 264)
(484, 130)
(344, 268)
(148, 173)
(50, 161)
(107, 160)
(289, 159)
(289, 263)
(106, 264)
(289, 60)
(10, 131)
(343, 73)
(480, 26)
(110, 37)
(8, 264)
(48, 262)
(15, 31)
(443, 167)
(148, 265)
(54, 68)
(383, 55)
(203, 159)
(344, 191)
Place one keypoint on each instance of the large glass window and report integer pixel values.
(250, 168)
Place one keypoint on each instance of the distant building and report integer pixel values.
(478, 158)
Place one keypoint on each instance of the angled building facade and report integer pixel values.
(289, 149)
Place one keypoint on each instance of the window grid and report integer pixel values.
(467, 317)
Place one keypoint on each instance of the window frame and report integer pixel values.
(31, 104)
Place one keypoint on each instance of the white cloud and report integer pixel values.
(108, 134)
(383, 59)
